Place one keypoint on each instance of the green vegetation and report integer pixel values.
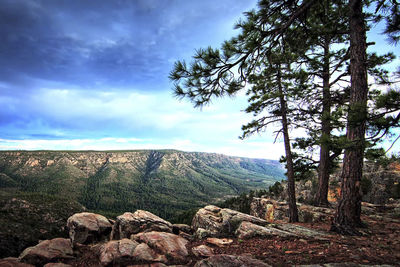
(304, 64)
(26, 218)
(166, 182)
(275, 190)
(366, 185)
(242, 203)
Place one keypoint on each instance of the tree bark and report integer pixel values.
(347, 216)
(325, 161)
(293, 213)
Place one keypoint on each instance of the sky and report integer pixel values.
(93, 75)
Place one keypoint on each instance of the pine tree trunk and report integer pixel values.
(324, 161)
(347, 216)
(293, 214)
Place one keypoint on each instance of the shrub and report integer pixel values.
(366, 185)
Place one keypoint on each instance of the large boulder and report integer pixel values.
(127, 252)
(86, 227)
(140, 221)
(230, 261)
(57, 249)
(216, 222)
(170, 245)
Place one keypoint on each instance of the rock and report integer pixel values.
(203, 233)
(140, 221)
(248, 230)
(47, 251)
(182, 228)
(157, 264)
(13, 262)
(209, 219)
(230, 261)
(202, 251)
(170, 245)
(272, 210)
(308, 214)
(263, 208)
(220, 242)
(144, 253)
(58, 264)
(221, 222)
(301, 231)
(88, 227)
(126, 251)
(116, 252)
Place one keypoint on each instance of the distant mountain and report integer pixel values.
(161, 181)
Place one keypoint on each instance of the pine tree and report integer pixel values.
(294, 26)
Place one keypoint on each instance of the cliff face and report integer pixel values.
(161, 181)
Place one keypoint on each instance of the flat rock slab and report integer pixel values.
(47, 251)
(303, 232)
(219, 242)
(248, 230)
(230, 261)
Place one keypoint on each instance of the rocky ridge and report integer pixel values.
(217, 237)
(118, 181)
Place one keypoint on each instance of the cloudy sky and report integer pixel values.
(84, 74)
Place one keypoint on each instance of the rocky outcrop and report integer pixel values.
(140, 221)
(47, 251)
(381, 185)
(276, 211)
(142, 247)
(126, 252)
(273, 211)
(214, 221)
(149, 248)
(230, 261)
(85, 228)
(173, 247)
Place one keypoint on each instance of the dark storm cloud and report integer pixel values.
(88, 43)
(54, 41)
(53, 52)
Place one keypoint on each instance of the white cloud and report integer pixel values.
(153, 120)
(244, 148)
(131, 111)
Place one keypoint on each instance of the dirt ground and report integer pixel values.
(379, 245)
